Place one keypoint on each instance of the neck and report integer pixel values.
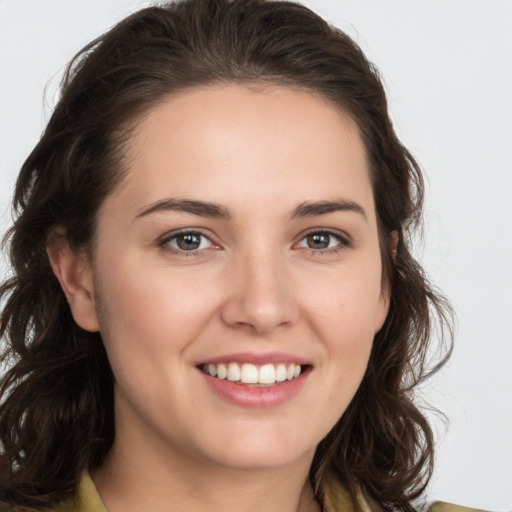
(161, 481)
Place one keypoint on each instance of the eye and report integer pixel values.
(323, 241)
(188, 241)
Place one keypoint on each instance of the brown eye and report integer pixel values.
(318, 240)
(323, 240)
(188, 242)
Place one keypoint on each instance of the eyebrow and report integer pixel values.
(202, 208)
(314, 208)
(214, 210)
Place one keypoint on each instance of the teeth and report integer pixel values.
(222, 371)
(281, 373)
(267, 374)
(249, 373)
(233, 372)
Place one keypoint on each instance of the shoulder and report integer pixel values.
(441, 506)
(338, 499)
(86, 499)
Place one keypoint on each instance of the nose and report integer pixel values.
(261, 296)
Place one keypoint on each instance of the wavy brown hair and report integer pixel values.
(56, 415)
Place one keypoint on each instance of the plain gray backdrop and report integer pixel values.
(447, 67)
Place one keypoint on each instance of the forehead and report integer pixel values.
(229, 143)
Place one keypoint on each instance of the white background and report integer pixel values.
(447, 66)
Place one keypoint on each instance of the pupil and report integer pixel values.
(188, 242)
(319, 241)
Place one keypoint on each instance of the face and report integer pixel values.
(242, 244)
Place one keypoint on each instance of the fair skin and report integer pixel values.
(284, 268)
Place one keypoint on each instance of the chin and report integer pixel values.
(265, 451)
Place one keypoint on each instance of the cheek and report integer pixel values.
(343, 315)
(348, 303)
(152, 312)
(148, 324)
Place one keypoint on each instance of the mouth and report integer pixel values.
(255, 375)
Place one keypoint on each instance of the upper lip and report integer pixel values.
(257, 358)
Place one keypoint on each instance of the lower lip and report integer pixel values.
(255, 396)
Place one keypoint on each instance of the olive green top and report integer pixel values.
(337, 499)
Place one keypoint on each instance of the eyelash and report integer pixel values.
(343, 241)
(164, 243)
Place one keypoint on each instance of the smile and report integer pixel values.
(247, 373)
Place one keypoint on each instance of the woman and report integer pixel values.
(213, 302)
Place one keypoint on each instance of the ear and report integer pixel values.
(75, 275)
(382, 309)
(385, 295)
